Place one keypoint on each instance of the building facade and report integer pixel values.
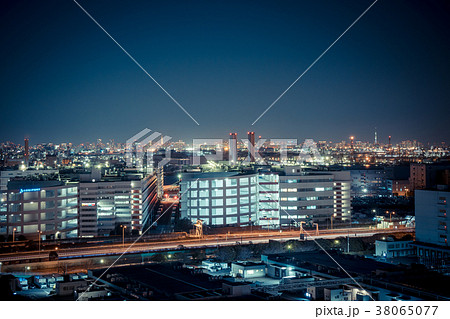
(392, 249)
(109, 203)
(268, 198)
(314, 196)
(219, 199)
(45, 208)
(7, 175)
(432, 231)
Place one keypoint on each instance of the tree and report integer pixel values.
(226, 254)
(407, 237)
(184, 225)
(243, 253)
(198, 254)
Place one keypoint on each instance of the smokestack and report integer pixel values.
(232, 154)
(27, 152)
(251, 140)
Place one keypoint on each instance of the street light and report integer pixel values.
(317, 228)
(390, 215)
(14, 234)
(332, 217)
(123, 235)
(39, 236)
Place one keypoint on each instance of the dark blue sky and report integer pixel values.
(62, 78)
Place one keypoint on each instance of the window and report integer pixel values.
(217, 202)
(193, 184)
(244, 191)
(204, 184)
(231, 201)
(243, 181)
(217, 183)
(217, 192)
(231, 182)
(231, 192)
(217, 211)
(244, 209)
(203, 193)
(231, 220)
(193, 212)
(244, 200)
(193, 203)
(203, 202)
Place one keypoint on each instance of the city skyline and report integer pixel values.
(65, 80)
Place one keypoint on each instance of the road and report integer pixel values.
(209, 241)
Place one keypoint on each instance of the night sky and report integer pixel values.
(63, 80)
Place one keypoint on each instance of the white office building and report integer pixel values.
(432, 218)
(315, 196)
(107, 203)
(48, 208)
(219, 199)
(269, 199)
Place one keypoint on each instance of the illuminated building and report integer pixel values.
(29, 207)
(107, 203)
(432, 226)
(7, 175)
(269, 199)
(314, 196)
(233, 149)
(219, 199)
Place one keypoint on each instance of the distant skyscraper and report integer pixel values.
(376, 137)
(232, 157)
(251, 140)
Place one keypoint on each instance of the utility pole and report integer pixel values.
(348, 241)
(123, 235)
(39, 234)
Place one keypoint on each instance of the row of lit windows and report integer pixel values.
(221, 211)
(217, 183)
(220, 201)
(316, 189)
(292, 199)
(219, 192)
(306, 207)
(306, 180)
